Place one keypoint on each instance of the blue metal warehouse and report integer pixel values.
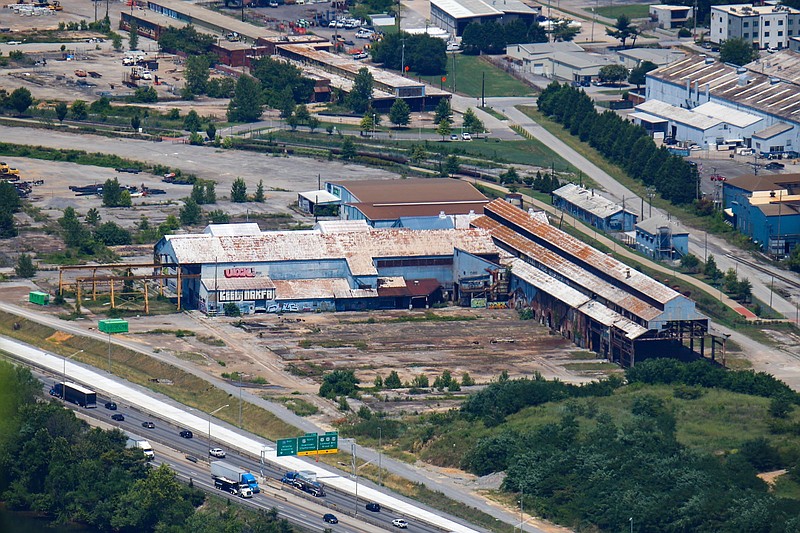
(766, 208)
(350, 267)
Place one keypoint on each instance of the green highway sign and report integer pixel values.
(329, 442)
(307, 444)
(287, 447)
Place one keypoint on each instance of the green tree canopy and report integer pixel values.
(79, 110)
(197, 73)
(472, 123)
(114, 195)
(400, 113)
(61, 111)
(638, 75)
(20, 100)
(737, 51)
(613, 73)
(112, 234)
(192, 122)
(186, 39)
(360, 97)
(623, 30)
(339, 383)
(239, 191)
(191, 213)
(245, 106)
(25, 267)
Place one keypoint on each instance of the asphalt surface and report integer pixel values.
(170, 448)
(153, 403)
(413, 473)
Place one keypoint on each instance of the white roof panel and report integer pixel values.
(678, 114)
(727, 114)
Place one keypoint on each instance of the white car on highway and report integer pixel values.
(399, 522)
(217, 452)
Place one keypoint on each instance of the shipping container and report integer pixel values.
(39, 298)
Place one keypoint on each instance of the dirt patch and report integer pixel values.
(59, 337)
(771, 477)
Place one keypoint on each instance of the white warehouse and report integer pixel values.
(701, 100)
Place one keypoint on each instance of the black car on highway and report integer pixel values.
(330, 518)
(186, 434)
(148, 425)
(118, 417)
(374, 507)
(111, 406)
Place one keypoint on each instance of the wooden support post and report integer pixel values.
(179, 287)
(146, 302)
(111, 282)
(94, 284)
(77, 295)
(60, 282)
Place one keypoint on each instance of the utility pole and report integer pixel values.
(694, 33)
(454, 72)
(483, 89)
(403, 57)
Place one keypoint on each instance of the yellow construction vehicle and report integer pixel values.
(55, 6)
(3, 167)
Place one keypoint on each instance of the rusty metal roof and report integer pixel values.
(318, 289)
(570, 246)
(574, 298)
(432, 209)
(358, 248)
(568, 270)
(411, 191)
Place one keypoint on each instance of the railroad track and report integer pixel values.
(789, 281)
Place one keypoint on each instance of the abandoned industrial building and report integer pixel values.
(507, 258)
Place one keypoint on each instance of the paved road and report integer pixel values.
(415, 474)
(715, 246)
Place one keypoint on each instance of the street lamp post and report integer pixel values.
(374, 116)
(380, 457)
(355, 474)
(521, 504)
(209, 421)
(64, 373)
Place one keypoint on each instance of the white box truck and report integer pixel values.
(142, 445)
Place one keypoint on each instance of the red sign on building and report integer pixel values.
(239, 273)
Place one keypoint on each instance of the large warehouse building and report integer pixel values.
(701, 100)
(334, 268)
(509, 257)
(589, 297)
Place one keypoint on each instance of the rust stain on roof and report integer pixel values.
(570, 246)
(359, 249)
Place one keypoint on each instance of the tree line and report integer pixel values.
(423, 54)
(55, 465)
(621, 142)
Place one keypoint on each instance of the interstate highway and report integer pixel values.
(342, 498)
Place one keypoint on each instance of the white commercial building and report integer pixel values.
(767, 27)
(702, 100)
(455, 15)
(669, 17)
(561, 60)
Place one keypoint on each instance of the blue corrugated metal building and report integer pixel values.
(593, 209)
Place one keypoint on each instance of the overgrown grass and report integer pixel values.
(309, 343)
(634, 11)
(298, 406)
(469, 75)
(141, 369)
